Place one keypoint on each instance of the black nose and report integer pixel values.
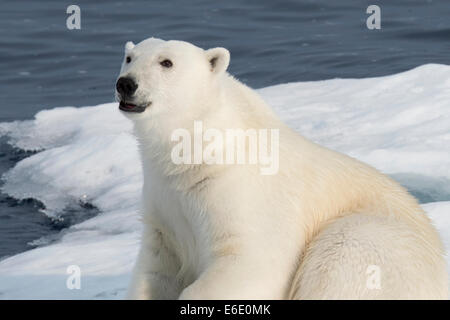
(126, 86)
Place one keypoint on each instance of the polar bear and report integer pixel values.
(324, 226)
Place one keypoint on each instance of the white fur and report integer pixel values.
(228, 232)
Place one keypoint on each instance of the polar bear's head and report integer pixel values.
(167, 77)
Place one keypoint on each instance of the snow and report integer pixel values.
(400, 124)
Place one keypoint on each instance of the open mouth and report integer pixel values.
(129, 107)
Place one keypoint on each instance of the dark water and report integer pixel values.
(43, 64)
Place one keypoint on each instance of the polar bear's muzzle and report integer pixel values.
(126, 87)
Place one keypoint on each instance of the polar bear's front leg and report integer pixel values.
(154, 275)
(239, 277)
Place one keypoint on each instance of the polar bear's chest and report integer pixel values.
(182, 227)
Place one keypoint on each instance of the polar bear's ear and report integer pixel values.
(218, 59)
(129, 45)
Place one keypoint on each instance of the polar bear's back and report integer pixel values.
(360, 220)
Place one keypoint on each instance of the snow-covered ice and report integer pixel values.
(400, 124)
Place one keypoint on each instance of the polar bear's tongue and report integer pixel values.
(124, 105)
(129, 107)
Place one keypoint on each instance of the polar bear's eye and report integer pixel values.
(166, 63)
(128, 59)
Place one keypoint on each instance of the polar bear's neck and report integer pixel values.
(229, 104)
